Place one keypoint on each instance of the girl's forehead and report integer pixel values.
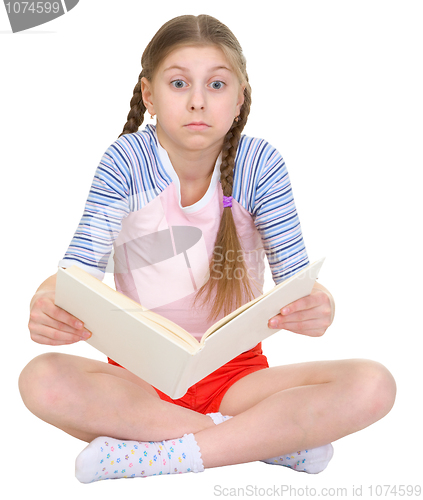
(191, 56)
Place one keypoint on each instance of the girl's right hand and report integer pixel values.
(51, 325)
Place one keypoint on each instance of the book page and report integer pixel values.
(229, 317)
(222, 322)
(173, 328)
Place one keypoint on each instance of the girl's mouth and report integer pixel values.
(197, 126)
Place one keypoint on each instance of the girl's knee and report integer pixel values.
(38, 380)
(375, 389)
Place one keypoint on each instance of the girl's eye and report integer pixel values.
(178, 84)
(217, 85)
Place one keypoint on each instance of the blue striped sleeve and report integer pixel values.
(275, 216)
(107, 204)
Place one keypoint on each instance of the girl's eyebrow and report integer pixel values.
(175, 66)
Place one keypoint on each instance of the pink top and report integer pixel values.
(161, 249)
(168, 247)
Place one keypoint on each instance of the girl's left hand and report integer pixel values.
(311, 315)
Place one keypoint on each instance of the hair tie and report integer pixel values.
(227, 201)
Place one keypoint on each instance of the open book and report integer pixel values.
(157, 349)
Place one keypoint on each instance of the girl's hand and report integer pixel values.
(48, 323)
(311, 315)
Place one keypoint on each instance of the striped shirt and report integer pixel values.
(161, 250)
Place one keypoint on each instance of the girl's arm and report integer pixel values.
(277, 221)
(311, 315)
(48, 323)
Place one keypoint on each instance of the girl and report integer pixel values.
(190, 207)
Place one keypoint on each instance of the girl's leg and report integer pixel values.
(88, 398)
(278, 410)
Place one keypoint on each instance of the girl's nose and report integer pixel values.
(197, 99)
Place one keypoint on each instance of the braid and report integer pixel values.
(230, 146)
(228, 276)
(136, 113)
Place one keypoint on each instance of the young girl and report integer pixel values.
(191, 208)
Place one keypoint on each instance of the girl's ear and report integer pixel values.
(147, 95)
(240, 100)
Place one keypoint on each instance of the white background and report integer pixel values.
(337, 88)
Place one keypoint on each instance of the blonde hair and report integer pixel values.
(228, 283)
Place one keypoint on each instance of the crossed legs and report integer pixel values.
(275, 410)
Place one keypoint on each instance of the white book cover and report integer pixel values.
(165, 355)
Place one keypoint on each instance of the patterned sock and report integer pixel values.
(218, 418)
(108, 458)
(310, 461)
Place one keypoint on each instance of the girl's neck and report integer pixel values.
(192, 166)
(194, 174)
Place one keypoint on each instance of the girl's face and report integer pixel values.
(196, 95)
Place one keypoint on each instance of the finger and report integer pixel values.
(310, 328)
(302, 315)
(279, 321)
(49, 321)
(45, 312)
(62, 316)
(45, 304)
(43, 325)
(302, 304)
(40, 339)
(46, 335)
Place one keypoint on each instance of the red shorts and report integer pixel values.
(206, 395)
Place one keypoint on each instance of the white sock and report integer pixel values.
(218, 418)
(108, 458)
(311, 461)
